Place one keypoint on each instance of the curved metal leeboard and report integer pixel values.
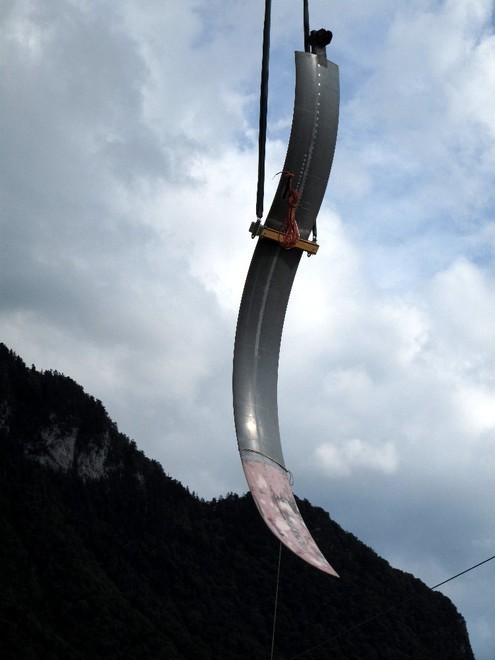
(264, 303)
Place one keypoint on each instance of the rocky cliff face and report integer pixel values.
(103, 555)
(58, 449)
(56, 423)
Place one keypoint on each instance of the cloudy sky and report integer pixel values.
(129, 153)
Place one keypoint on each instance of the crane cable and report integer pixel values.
(265, 70)
(263, 110)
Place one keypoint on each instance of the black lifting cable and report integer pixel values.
(263, 110)
(307, 47)
(386, 611)
(265, 65)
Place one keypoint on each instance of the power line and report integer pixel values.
(463, 572)
(389, 609)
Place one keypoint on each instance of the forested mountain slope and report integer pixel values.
(103, 555)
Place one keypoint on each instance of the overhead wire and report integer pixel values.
(471, 568)
(386, 611)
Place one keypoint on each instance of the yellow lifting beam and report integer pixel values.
(311, 247)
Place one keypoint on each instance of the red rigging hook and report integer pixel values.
(291, 230)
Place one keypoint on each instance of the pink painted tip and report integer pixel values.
(271, 490)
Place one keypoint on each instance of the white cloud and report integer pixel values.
(130, 143)
(356, 454)
(462, 300)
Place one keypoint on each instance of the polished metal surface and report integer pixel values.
(266, 295)
(312, 141)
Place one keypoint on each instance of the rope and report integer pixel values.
(276, 600)
(383, 612)
(291, 230)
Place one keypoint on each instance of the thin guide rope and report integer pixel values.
(276, 600)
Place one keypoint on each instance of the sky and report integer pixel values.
(129, 158)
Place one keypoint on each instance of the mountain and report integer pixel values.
(103, 555)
